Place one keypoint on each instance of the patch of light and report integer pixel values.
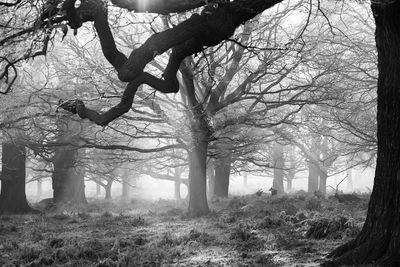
(143, 4)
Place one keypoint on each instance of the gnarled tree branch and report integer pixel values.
(187, 38)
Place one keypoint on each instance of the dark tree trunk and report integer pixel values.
(278, 168)
(222, 173)
(211, 180)
(108, 189)
(12, 195)
(68, 179)
(322, 182)
(379, 240)
(312, 178)
(198, 205)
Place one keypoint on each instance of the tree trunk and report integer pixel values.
(211, 180)
(68, 179)
(349, 185)
(126, 187)
(222, 173)
(198, 205)
(245, 180)
(98, 190)
(278, 168)
(312, 178)
(177, 184)
(108, 189)
(12, 195)
(322, 182)
(379, 240)
(39, 189)
(289, 183)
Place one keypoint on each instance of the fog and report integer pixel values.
(152, 189)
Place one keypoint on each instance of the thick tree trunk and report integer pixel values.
(211, 180)
(379, 240)
(312, 178)
(68, 179)
(198, 205)
(278, 168)
(222, 173)
(12, 195)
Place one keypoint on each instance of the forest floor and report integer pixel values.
(253, 230)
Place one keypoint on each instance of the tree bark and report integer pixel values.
(177, 184)
(289, 184)
(198, 205)
(98, 190)
(349, 179)
(68, 179)
(278, 168)
(211, 180)
(177, 188)
(312, 178)
(125, 189)
(379, 240)
(39, 188)
(322, 182)
(108, 189)
(222, 173)
(12, 195)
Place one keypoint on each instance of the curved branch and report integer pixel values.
(187, 38)
(159, 6)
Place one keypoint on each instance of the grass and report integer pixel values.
(253, 230)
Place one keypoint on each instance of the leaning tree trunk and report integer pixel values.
(12, 195)
(198, 205)
(379, 240)
(68, 179)
(278, 168)
(222, 173)
(312, 178)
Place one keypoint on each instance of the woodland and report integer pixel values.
(286, 100)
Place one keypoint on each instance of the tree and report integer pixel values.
(379, 239)
(278, 164)
(68, 173)
(12, 196)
